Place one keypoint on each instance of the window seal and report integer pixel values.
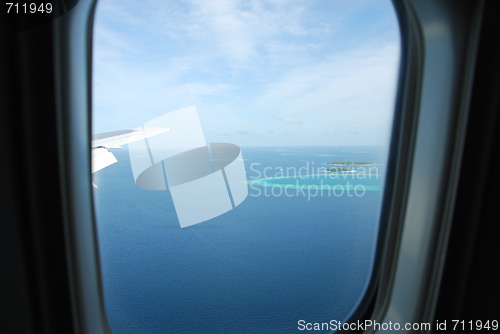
(433, 95)
(73, 81)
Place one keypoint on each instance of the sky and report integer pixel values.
(261, 73)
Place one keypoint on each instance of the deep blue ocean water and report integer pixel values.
(274, 260)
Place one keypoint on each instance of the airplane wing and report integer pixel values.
(101, 143)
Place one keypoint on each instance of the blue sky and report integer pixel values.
(260, 72)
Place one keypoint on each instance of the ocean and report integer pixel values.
(300, 247)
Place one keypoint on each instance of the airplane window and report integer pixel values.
(238, 160)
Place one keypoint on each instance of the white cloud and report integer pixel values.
(242, 63)
(286, 120)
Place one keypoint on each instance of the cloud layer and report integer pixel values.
(253, 68)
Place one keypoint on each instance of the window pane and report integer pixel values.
(254, 137)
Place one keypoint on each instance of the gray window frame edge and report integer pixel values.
(434, 95)
(73, 81)
(430, 128)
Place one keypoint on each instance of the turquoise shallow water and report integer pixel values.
(277, 258)
(339, 184)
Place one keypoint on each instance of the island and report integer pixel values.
(349, 163)
(340, 170)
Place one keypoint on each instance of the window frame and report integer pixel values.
(73, 75)
(404, 269)
(432, 130)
